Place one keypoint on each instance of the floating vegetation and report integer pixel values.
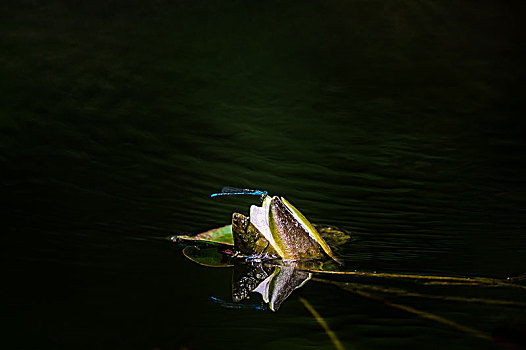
(276, 250)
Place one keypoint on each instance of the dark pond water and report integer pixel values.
(401, 122)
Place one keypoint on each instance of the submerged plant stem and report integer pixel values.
(337, 344)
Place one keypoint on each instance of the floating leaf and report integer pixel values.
(293, 237)
(221, 235)
(210, 257)
(332, 235)
(249, 241)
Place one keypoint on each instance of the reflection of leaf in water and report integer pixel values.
(247, 277)
(275, 284)
(285, 280)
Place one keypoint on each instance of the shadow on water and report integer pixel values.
(399, 122)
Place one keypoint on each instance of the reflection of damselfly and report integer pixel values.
(228, 305)
(233, 191)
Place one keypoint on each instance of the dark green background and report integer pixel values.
(400, 121)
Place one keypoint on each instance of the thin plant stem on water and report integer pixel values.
(404, 293)
(444, 280)
(332, 336)
(409, 309)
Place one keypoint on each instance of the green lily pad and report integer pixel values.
(221, 235)
(209, 257)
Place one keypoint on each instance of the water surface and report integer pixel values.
(400, 122)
